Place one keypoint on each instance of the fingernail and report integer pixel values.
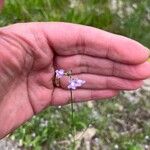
(148, 60)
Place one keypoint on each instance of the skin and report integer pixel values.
(30, 53)
(1, 4)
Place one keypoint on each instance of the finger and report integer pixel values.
(86, 64)
(62, 97)
(1, 4)
(70, 39)
(97, 82)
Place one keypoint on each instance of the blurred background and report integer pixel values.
(122, 123)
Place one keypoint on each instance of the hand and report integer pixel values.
(30, 53)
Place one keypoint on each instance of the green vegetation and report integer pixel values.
(120, 122)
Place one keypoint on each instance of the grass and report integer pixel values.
(120, 121)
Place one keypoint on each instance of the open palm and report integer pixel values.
(30, 53)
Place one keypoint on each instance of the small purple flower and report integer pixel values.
(79, 82)
(74, 83)
(59, 73)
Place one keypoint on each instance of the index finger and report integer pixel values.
(1, 4)
(72, 39)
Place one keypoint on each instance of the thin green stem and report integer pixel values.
(72, 117)
(72, 109)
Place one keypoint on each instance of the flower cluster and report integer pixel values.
(73, 83)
